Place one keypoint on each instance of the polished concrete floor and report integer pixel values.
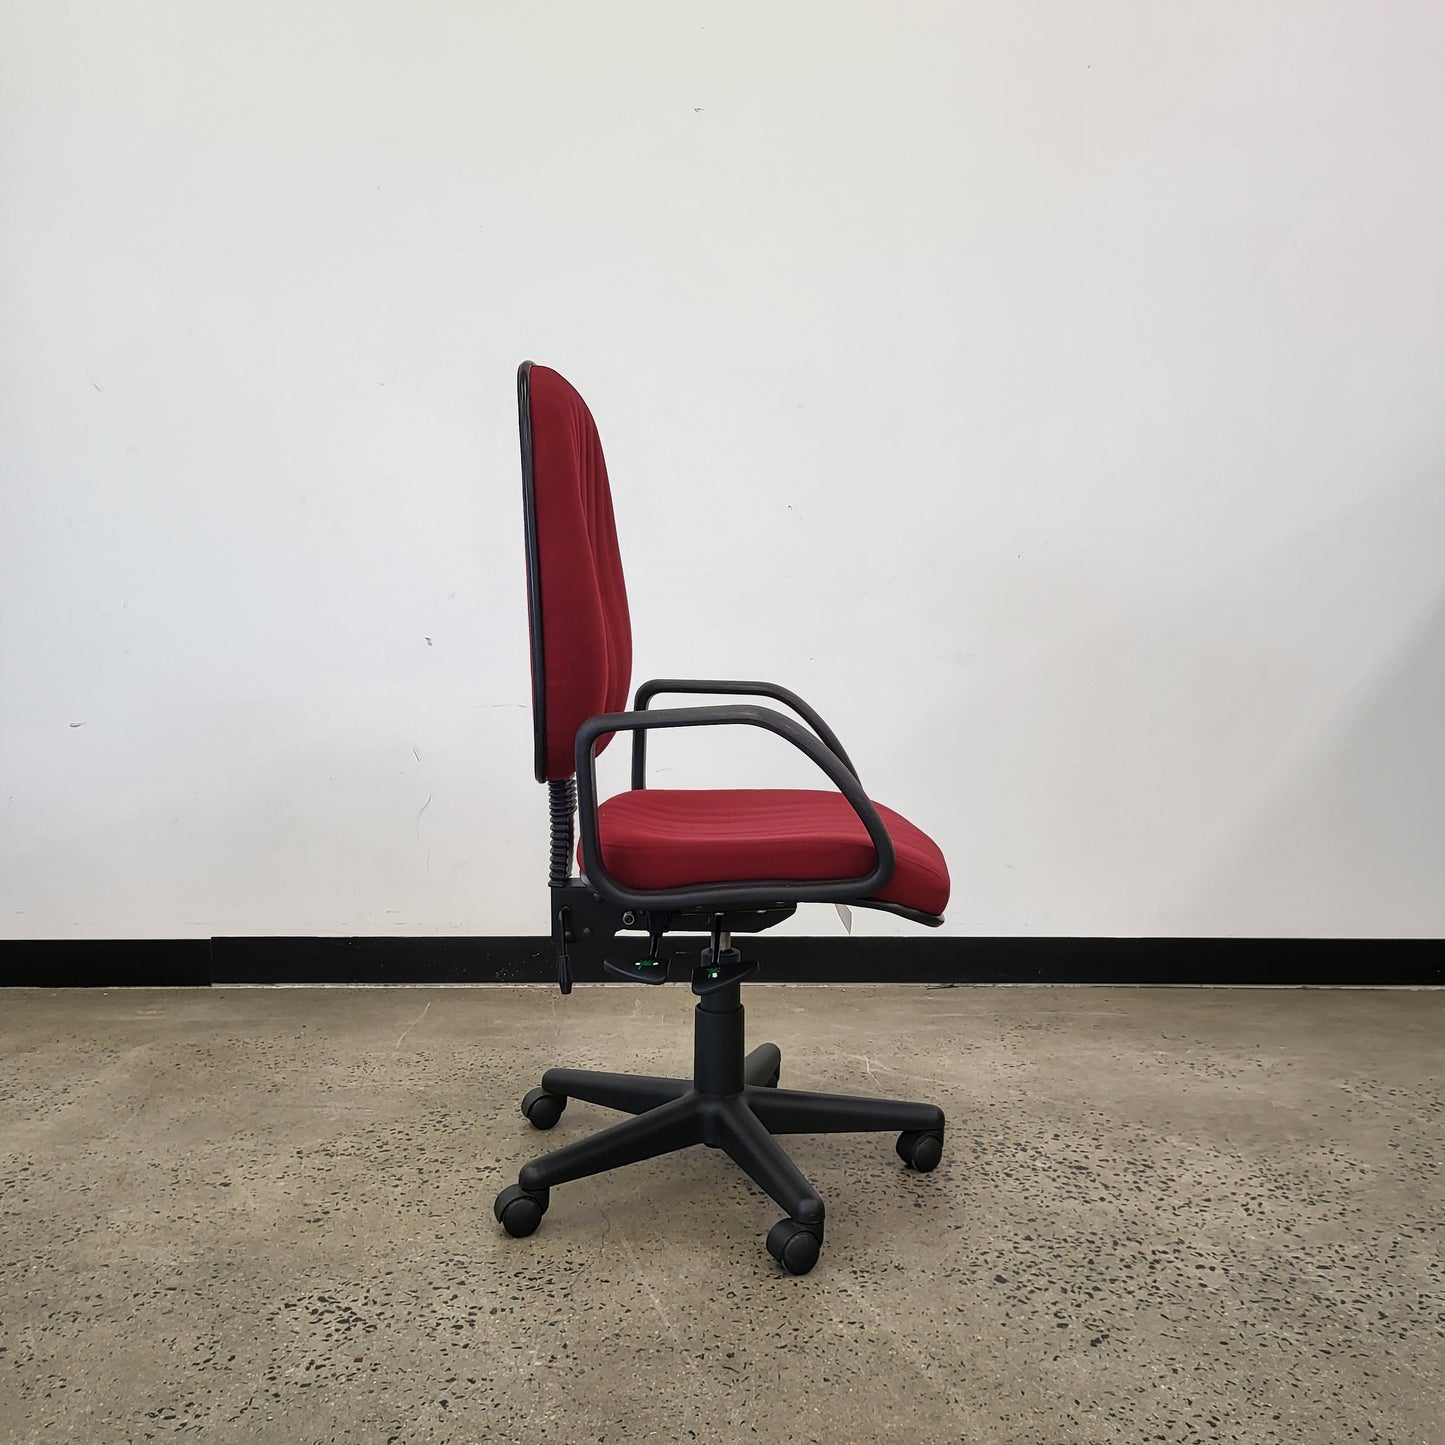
(1171, 1215)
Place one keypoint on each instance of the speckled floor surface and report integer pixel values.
(1162, 1215)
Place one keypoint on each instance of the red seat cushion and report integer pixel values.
(661, 838)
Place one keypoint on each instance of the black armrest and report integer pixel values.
(649, 690)
(724, 895)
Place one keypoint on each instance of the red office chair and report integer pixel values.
(714, 861)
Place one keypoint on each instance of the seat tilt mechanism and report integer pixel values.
(717, 969)
(582, 921)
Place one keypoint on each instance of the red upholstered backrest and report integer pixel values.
(577, 598)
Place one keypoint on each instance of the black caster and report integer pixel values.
(519, 1211)
(795, 1246)
(542, 1109)
(772, 1081)
(920, 1150)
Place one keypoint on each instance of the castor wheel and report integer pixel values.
(920, 1149)
(519, 1211)
(795, 1246)
(541, 1108)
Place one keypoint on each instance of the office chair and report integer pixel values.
(721, 862)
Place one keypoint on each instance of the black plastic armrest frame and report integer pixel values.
(649, 690)
(724, 895)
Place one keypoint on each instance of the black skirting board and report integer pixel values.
(1308, 962)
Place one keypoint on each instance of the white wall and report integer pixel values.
(1053, 388)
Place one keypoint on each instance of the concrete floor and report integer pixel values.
(1162, 1215)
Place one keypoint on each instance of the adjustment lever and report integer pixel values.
(642, 970)
(561, 935)
(728, 967)
(652, 969)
